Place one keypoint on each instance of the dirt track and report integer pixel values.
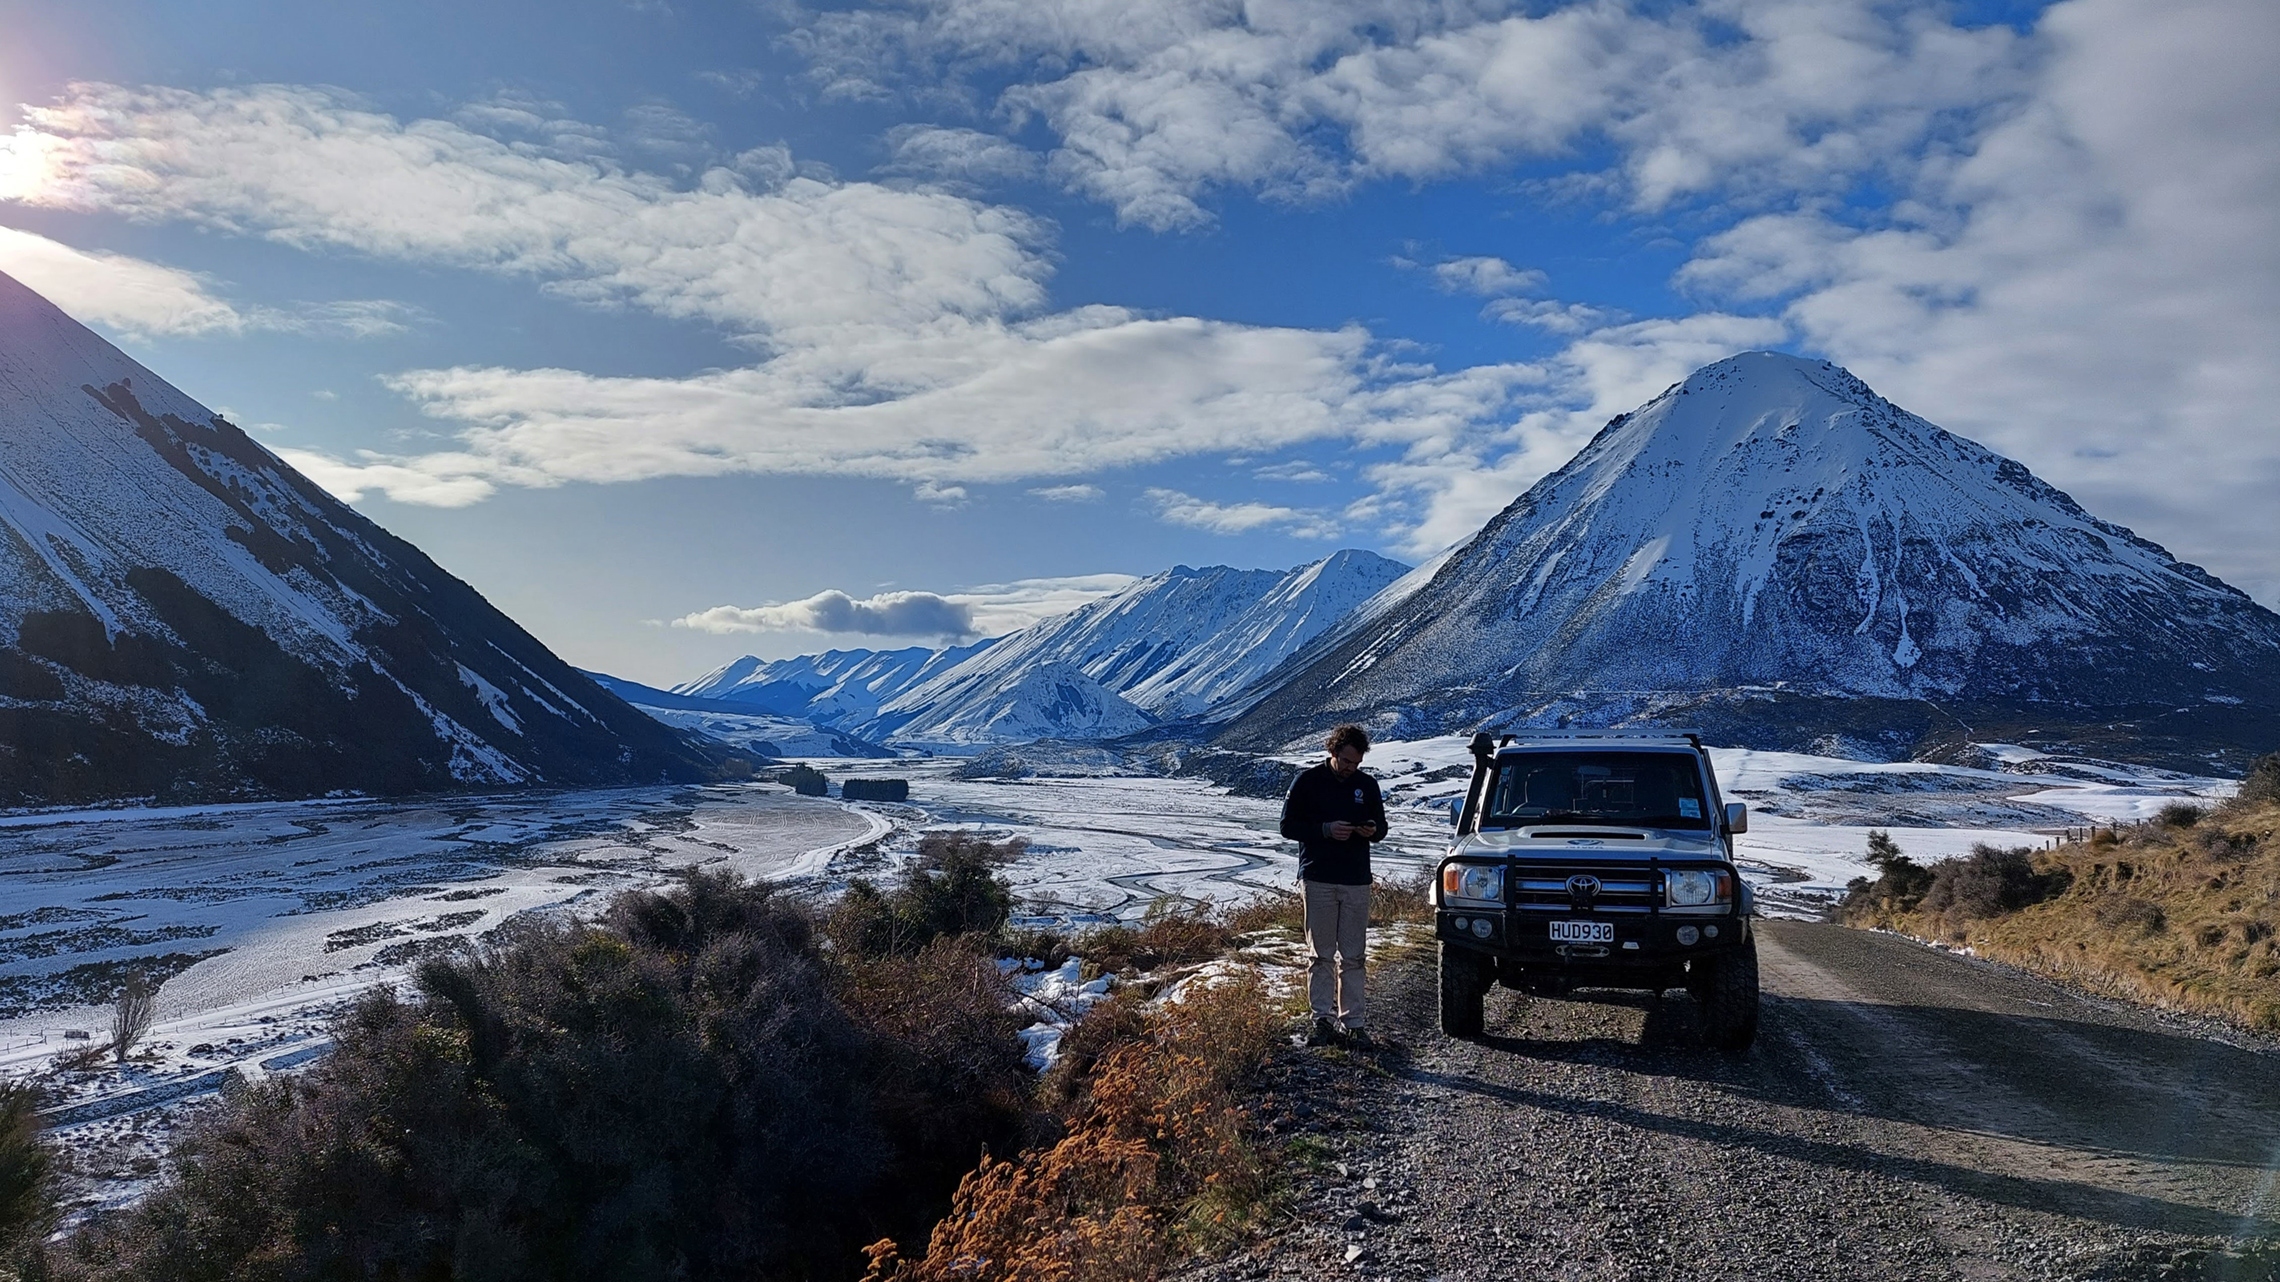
(1905, 1114)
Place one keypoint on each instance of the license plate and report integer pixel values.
(1583, 932)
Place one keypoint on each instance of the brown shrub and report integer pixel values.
(1409, 901)
(1154, 1162)
(1275, 910)
(1173, 932)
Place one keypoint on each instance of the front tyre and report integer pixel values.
(1465, 978)
(1727, 988)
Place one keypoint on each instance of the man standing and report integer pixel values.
(1334, 812)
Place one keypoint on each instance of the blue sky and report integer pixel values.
(688, 331)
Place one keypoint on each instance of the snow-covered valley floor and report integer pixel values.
(263, 920)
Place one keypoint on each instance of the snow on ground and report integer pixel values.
(264, 920)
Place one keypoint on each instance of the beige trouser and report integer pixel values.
(1337, 922)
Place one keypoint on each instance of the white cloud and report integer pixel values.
(2092, 285)
(147, 299)
(1069, 493)
(987, 610)
(1239, 518)
(958, 155)
(1486, 276)
(900, 327)
(1158, 105)
(308, 168)
(125, 293)
(999, 608)
(939, 495)
(1291, 471)
(897, 614)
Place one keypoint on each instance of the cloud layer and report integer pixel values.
(989, 610)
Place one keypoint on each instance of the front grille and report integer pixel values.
(1544, 888)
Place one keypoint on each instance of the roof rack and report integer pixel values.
(1689, 736)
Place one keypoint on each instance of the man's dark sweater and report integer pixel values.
(1320, 796)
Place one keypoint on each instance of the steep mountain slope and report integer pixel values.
(1166, 647)
(1774, 551)
(835, 688)
(182, 616)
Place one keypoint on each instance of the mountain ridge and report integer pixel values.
(1770, 542)
(184, 617)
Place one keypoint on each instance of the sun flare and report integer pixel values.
(23, 165)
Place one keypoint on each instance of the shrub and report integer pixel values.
(27, 1202)
(807, 781)
(689, 1089)
(951, 887)
(875, 790)
(1172, 932)
(2262, 786)
(1988, 882)
(1154, 1161)
(2179, 814)
(1899, 886)
(131, 1017)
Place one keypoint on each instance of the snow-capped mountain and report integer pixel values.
(183, 616)
(835, 688)
(741, 725)
(1771, 549)
(1166, 647)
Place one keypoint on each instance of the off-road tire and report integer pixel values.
(1726, 988)
(1465, 976)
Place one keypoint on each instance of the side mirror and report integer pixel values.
(1737, 817)
(1456, 811)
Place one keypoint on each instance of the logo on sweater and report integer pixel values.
(1357, 796)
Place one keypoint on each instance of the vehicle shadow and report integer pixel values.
(2111, 1091)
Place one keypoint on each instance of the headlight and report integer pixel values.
(1695, 889)
(1473, 881)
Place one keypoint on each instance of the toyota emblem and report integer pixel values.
(1582, 889)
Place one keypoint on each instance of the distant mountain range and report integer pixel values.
(1773, 552)
(183, 617)
(1165, 648)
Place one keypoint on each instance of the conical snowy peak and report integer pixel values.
(1771, 524)
(183, 616)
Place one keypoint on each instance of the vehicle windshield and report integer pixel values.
(1646, 789)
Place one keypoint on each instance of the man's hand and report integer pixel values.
(1367, 832)
(1339, 830)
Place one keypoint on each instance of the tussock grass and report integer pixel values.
(2183, 912)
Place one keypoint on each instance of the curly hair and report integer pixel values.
(1348, 736)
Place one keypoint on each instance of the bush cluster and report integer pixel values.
(807, 781)
(875, 790)
(693, 1088)
(1989, 882)
(2262, 785)
(950, 888)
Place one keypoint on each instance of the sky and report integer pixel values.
(684, 331)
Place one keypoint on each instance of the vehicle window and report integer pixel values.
(1650, 789)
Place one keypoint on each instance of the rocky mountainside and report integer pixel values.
(1773, 552)
(1167, 647)
(183, 617)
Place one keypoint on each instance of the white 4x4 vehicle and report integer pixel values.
(1600, 859)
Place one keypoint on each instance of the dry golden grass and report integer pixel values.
(2185, 915)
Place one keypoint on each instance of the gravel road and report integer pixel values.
(1905, 1114)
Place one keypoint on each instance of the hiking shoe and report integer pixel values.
(1359, 1038)
(1324, 1032)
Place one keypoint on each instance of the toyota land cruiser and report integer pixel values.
(1601, 859)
